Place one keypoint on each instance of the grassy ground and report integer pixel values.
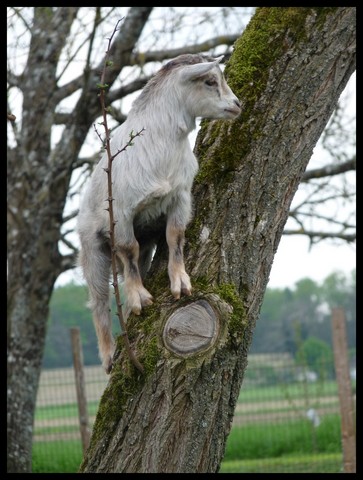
(270, 432)
(279, 448)
(323, 463)
(57, 457)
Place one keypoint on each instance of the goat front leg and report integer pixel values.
(179, 279)
(136, 294)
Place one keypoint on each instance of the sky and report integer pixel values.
(293, 261)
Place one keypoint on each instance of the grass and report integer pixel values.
(63, 411)
(57, 457)
(288, 391)
(283, 447)
(287, 446)
(322, 463)
(268, 440)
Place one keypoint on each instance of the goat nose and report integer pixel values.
(238, 103)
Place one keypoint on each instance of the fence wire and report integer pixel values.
(287, 419)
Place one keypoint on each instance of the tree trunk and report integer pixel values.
(288, 68)
(34, 220)
(38, 180)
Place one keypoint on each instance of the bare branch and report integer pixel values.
(330, 170)
(131, 87)
(97, 21)
(12, 79)
(140, 58)
(321, 235)
(108, 170)
(86, 161)
(314, 215)
(70, 216)
(68, 243)
(68, 262)
(62, 118)
(68, 89)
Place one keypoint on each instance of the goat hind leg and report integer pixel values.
(96, 269)
(179, 279)
(136, 294)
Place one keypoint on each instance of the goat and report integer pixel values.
(152, 181)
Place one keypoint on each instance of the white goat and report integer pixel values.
(152, 181)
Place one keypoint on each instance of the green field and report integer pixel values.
(270, 433)
(279, 448)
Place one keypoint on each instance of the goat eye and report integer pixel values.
(210, 83)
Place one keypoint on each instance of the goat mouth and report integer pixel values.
(234, 111)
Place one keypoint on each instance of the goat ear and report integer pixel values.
(191, 72)
(219, 59)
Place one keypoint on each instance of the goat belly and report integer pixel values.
(146, 231)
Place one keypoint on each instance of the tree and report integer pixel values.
(45, 149)
(316, 355)
(289, 68)
(249, 173)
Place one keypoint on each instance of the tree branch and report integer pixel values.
(330, 170)
(131, 87)
(321, 235)
(68, 244)
(67, 262)
(140, 58)
(107, 144)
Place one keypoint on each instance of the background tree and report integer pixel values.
(61, 67)
(41, 161)
(316, 355)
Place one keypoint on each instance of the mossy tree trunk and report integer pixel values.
(288, 68)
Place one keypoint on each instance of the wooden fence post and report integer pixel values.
(80, 386)
(341, 362)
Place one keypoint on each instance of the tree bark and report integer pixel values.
(38, 181)
(34, 220)
(288, 68)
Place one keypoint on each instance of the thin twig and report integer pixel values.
(103, 86)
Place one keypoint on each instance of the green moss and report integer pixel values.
(151, 356)
(127, 381)
(114, 399)
(238, 319)
(270, 32)
(192, 233)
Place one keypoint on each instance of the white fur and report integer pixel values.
(151, 178)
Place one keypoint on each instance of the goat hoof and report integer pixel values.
(108, 366)
(186, 291)
(136, 310)
(146, 302)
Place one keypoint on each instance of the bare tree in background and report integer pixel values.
(248, 177)
(324, 207)
(55, 59)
